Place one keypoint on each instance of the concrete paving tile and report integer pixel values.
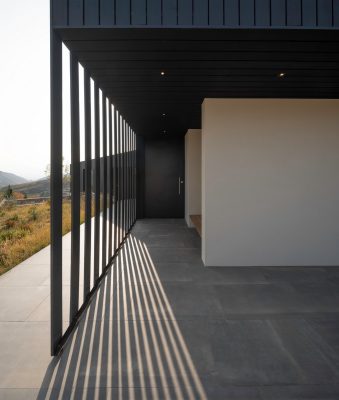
(164, 254)
(259, 299)
(228, 276)
(17, 303)
(250, 353)
(24, 354)
(300, 392)
(309, 354)
(301, 275)
(25, 275)
(18, 394)
(233, 393)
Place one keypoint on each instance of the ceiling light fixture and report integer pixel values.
(163, 114)
(162, 73)
(164, 131)
(282, 75)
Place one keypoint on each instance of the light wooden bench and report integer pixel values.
(196, 221)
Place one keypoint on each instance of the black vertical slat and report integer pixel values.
(278, 12)
(247, 12)
(231, 16)
(185, 12)
(262, 13)
(110, 182)
(216, 12)
(123, 12)
(119, 181)
(123, 197)
(128, 180)
(130, 177)
(336, 13)
(309, 13)
(115, 173)
(169, 12)
(76, 12)
(97, 183)
(91, 12)
(138, 12)
(75, 187)
(104, 189)
(107, 12)
(135, 174)
(325, 13)
(153, 12)
(293, 12)
(59, 13)
(88, 184)
(200, 12)
(56, 190)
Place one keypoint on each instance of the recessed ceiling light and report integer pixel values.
(282, 75)
(162, 73)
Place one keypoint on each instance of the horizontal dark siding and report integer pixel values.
(199, 13)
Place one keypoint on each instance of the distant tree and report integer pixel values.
(65, 171)
(8, 192)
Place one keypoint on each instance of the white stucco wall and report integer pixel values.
(270, 182)
(192, 174)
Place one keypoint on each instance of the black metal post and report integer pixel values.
(115, 172)
(123, 180)
(88, 184)
(119, 182)
(56, 191)
(75, 186)
(110, 180)
(104, 202)
(97, 183)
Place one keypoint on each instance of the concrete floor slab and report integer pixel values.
(162, 326)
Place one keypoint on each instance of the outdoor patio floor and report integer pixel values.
(162, 326)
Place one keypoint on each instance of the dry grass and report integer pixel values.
(24, 230)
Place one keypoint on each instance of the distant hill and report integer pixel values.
(6, 178)
(35, 188)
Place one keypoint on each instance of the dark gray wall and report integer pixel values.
(198, 13)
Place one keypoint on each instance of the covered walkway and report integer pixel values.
(162, 326)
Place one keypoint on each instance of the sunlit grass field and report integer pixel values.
(24, 230)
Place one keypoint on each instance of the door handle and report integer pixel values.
(180, 182)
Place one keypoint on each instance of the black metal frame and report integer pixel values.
(113, 183)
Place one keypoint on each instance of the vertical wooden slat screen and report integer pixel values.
(114, 194)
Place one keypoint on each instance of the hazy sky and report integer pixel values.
(24, 94)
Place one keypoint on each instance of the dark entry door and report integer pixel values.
(164, 178)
